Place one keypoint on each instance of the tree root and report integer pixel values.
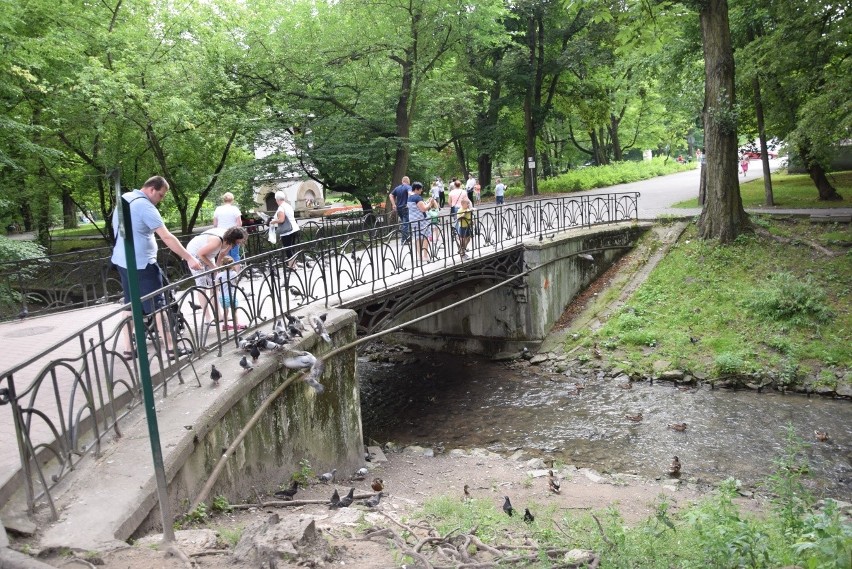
(459, 550)
(787, 241)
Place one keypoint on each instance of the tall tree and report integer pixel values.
(723, 216)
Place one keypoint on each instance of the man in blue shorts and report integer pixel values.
(146, 222)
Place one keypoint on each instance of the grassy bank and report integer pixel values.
(790, 191)
(758, 308)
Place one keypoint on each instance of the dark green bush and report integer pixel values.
(787, 297)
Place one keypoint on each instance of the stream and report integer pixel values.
(449, 401)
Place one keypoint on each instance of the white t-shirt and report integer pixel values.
(499, 189)
(471, 182)
(227, 216)
(290, 214)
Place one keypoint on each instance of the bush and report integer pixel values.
(787, 297)
(12, 251)
(603, 176)
(728, 363)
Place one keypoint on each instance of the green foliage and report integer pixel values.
(618, 173)
(231, 536)
(197, 516)
(305, 473)
(728, 363)
(791, 500)
(11, 251)
(786, 297)
(221, 504)
(825, 539)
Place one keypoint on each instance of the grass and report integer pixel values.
(790, 191)
(756, 306)
(713, 532)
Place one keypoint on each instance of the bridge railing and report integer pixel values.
(65, 399)
(87, 277)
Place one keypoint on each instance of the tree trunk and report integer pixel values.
(617, 152)
(769, 199)
(723, 216)
(827, 192)
(483, 167)
(69, 210)
(403, 125)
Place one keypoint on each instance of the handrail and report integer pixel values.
(74, 389)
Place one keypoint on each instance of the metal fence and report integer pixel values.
(64, 400)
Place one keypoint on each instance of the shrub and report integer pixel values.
(728, 363)
(603, 176)
(787, 297)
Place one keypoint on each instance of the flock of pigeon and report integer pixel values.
(336, 501)
(283, 333)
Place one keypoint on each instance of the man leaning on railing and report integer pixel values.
(146, 221)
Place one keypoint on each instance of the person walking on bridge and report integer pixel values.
(399, 199)
(227, 216)
(145, 223)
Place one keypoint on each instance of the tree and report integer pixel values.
(723, 216)
(805, 89)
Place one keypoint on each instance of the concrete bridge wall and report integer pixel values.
(325, 430)
(522, 312)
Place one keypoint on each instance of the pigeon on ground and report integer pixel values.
(289, 492)
(507, 507)
(245, 365)
(318, 324)
(194, 307)
(528, 517)
(374, 501)
(215, 375)
(327, 476)
(23, 313)
(294, 331)
(360, 474)
(335, 500)
(378, 484)
(347, 500)
(279, 326)
(270, 345)
(255, 353)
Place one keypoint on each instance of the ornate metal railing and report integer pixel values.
(87, 277)
(63, 400)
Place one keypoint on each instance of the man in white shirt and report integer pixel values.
(227, 216)
(471, 182)
(500, 191)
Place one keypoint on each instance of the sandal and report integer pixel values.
(180, 352)
(129, 353)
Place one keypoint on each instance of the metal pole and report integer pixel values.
(125, 229)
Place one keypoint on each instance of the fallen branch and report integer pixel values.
(603, 533)
(787, 241)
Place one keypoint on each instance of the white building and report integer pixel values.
(303, 193)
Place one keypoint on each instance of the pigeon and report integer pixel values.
(347, 500)
(289, 492)
(279, 327)
(270, 345)
(377, 484)
(374, 501)
(327, 476)
(215, 375)
(318, 324)
(674, 468)
(528, 517)
(245, 365)
(360, 474)
(23, 313)
(553, 483)
(294, 331)
(295, 292)
(194, 307)
(507, 507)
(299, 360)
(255, 353)
(312, 377)
(294, 322)
(335, 500)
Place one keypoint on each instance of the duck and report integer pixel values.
(635, 418)
(821, 436)
(674, 468)
(679, 427)
(377, 484)
(466, 497)
(553, 482)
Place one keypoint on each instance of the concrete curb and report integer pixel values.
(11, 559)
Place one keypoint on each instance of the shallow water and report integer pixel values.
(452, 401)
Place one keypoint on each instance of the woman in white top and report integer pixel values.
(209, 248)
(285, 215)
(227, 216)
